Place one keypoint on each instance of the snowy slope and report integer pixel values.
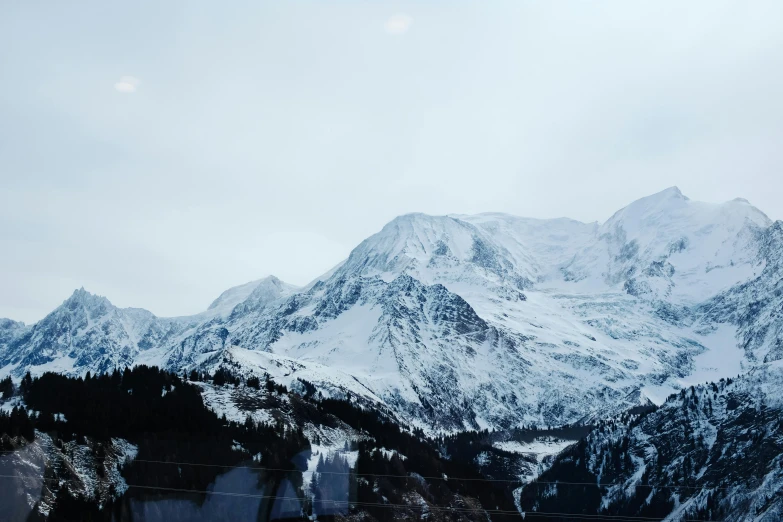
(712, 452)
(755, 307)
(670, 247)
(460, 322)
(46, 466)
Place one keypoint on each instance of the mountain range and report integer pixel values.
(474, 321)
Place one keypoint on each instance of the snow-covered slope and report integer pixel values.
(472, 321)
(669, 247)
(755, 307)
(90, 470)
(711, 452)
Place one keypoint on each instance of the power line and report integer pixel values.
(288, 470)
(349, 503)
(447, 478)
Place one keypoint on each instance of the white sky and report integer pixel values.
(160, 152)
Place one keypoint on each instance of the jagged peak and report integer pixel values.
(7, 324)
(404, 282)
(83, 297)
(80, 293)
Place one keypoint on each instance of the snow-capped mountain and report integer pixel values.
(87, 332)
(460, 322)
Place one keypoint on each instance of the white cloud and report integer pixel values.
(127, 84)
(398, 24)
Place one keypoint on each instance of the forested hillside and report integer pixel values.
(166, 448)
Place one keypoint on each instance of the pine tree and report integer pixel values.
(27, 382)
(7, 388)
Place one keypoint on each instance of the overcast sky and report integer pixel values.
(159, 152)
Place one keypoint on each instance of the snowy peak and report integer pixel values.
(668, 246)
(82, 299)
(91, 309)
(255, 294)
(10, 330)
(252, 295)
(441, 249)
(670, 211)
(672, 192)
(10, 324)
(648, 211)
(267, 291)
(410, 241)
(233, 296)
